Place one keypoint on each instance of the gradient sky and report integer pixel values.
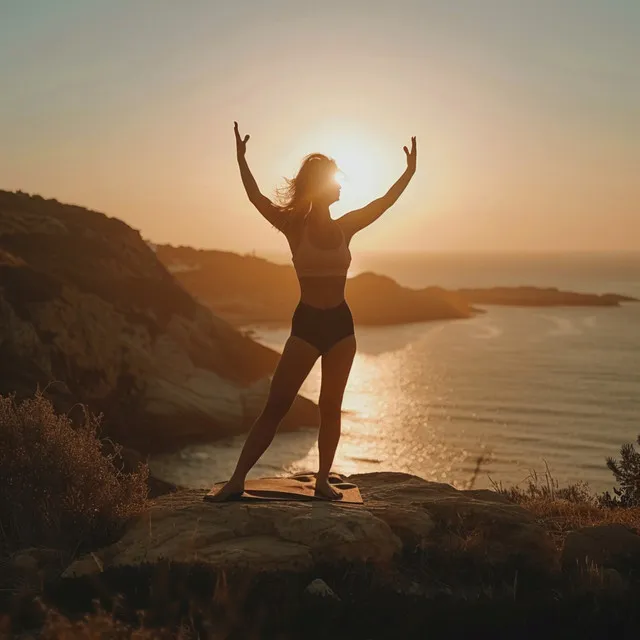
(527, 115)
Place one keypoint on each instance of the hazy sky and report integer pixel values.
(527, 114)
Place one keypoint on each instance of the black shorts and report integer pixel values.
(322, 328)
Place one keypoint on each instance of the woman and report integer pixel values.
(322, 325)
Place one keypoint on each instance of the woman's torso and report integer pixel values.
(317, 249)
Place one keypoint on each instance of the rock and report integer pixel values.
(320, 601)
(88, 312)
(255, 537)
(402, 515)
(480, 525)
(610, 546)
(318, 588)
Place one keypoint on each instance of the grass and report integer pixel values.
(561, 510)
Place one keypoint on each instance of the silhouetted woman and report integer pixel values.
(322, 325)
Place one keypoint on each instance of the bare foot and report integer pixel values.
(325, 490)
(231, 491)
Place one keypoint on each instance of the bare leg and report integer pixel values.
(298, 358)
(336, 366)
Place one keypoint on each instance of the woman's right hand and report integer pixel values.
(241, 143)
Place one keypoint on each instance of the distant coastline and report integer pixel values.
(255, 290)
(541, 297)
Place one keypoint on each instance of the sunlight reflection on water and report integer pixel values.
(521, 387)
(515, 386)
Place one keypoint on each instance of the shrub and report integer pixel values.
(563, 509)
(627, 475)
(58, 489)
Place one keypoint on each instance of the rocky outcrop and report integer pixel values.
(403, 519)
(416, 557)
(604, 547)
(89, 312)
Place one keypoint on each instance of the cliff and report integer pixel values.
(246, 289)
(89, 312)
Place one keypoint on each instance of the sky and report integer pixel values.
(527, 115)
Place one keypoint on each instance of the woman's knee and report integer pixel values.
(277, 406)
(330, 409)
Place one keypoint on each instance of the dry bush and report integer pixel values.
(58, 489)
(563, 509)
(101, 625)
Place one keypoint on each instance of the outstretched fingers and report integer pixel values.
(412, 153)
(237, 133)
(241, 143)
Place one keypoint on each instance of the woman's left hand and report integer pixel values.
(412, 155)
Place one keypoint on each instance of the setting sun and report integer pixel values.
(365, 169)
(358, 174)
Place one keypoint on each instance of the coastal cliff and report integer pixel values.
(256, 290)
(90, 314)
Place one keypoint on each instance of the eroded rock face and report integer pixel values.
(402, 516)
(87, 309)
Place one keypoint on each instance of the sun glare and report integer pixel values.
(363, 171)
(358, 174)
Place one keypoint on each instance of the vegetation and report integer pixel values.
(563, 509)
(627, 475)
(62, 487)
(58, 487)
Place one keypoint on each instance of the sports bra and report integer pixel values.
(310, 261)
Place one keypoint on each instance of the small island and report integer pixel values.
(541, 297)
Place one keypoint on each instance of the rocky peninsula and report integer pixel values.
(254, 290)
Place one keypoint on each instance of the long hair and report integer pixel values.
(296, 197)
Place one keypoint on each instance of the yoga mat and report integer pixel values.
(300, 486)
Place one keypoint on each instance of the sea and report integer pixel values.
(494, 400)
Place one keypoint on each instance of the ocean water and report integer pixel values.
(518, 389)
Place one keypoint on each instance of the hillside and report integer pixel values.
(88, 311)
(246, 289)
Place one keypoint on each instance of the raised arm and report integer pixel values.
(259, 201)
(358, 219)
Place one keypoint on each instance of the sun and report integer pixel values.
(362, 171)
(358, 173)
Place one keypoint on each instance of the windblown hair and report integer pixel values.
(296, 197)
